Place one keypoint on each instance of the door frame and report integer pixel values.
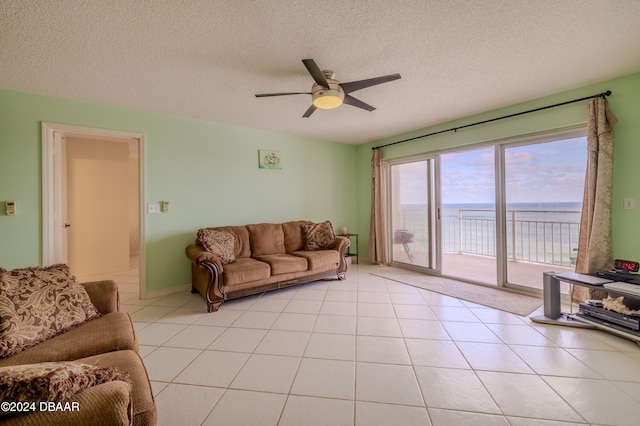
(54, 192)
(434, 233)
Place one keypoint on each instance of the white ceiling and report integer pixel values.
(205, 59)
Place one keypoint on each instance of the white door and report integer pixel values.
(97, 205)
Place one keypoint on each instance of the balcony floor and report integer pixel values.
(482, 269)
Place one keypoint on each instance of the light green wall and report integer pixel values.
(208, 172)
(625, 104)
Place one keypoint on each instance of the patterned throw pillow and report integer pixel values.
(220, 243)
(53, 381)
(38, 303)
(318, 236)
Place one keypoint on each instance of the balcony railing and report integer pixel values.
(538, 236)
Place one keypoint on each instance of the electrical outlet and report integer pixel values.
(629, 203)
(153, 208)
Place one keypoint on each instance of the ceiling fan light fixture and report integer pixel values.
(328, 100)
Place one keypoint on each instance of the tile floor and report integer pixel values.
(367, 351)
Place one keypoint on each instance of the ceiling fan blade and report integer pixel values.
(264, 95)
(316, 72)
(309, 111)
(350, 100)
(352, 86)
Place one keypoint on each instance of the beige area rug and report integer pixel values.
(495, 298)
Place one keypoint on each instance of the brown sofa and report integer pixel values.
(107, 341)
(266, 256)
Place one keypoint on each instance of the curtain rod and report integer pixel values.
(454, 129)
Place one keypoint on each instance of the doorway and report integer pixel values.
(92, 204)
(413, 222)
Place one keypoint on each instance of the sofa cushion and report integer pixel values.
(318, 236)
(111, 332)
(266, 238)
(245, 270)
(220, 243)
(320, 259)
(38, 303)
(53, 381)
(284, 263)
(293, 236)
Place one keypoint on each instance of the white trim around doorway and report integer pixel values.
(52, 204)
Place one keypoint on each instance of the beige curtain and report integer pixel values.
(377, 235)
(595, 249)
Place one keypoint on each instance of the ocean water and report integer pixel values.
(536, 232)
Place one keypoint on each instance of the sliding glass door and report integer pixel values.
(501, 214)
(412, 219)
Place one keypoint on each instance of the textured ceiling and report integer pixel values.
(206, 59)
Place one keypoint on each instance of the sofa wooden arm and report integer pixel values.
(342, 243)
(104, 295)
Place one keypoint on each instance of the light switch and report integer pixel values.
(164, 206)
(10, 207)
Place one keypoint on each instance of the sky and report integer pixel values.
(545, 172)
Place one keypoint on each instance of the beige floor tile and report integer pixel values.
(238, 340)
(387, 383)
(245, 408)
(303, 306)
(520, 334)
(423, 329)
(267, 373)
(612, 365)
(278, 342)
(375, 414)
(422, 312)
(454, 389)
(325, 378)
(252, 319)
(295, 322)
(164, 364)
(335, 324)
(331, 346)
(441, 417)
(597, 401)
(195, 336)
(341, 296)
(185, 404)
(493, 357)
(213, 368)
(435, 353)
(374, 326)
(183, 316)
(310, 411)
(470, 332)
(156, 334)
(338, 308)
(388, 350)
(554, 362)
(382, 310)
(527, 395)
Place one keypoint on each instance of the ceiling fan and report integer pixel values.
(329, 93)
